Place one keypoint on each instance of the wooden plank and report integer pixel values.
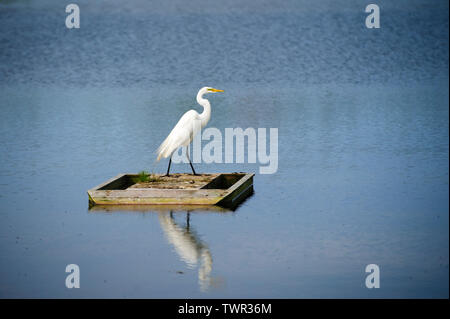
(107, 182)
(242, 187)
(160, 193)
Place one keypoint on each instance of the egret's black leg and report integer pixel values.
(192, 168)
(168, 168)
(187, 221)
(187, 154)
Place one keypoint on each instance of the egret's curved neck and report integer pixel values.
(206, 114)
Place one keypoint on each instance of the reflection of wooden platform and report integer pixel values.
(158, 208)
(178, 189)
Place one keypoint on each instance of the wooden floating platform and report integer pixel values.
(223, 189)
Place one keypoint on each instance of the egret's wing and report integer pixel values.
(181, 134)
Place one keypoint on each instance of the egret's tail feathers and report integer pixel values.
(165, 149)
(179, 136)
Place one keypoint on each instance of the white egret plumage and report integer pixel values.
(183, 133)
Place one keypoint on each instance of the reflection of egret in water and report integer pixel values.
(189, 247)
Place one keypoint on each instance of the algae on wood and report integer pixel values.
(176, 181)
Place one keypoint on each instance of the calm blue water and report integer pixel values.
(363, 149)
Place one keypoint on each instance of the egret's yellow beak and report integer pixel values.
(215, 90)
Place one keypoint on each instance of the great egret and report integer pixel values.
(186, 128)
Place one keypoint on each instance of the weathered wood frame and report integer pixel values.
(109, 193)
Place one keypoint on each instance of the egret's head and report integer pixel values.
(208, 89)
